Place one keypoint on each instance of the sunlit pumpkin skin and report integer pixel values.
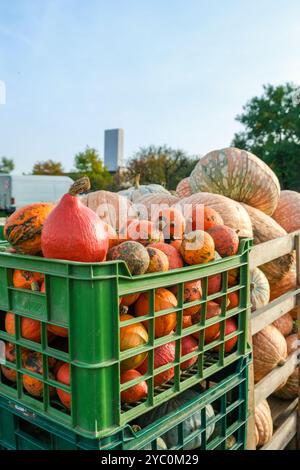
(136, 392)
(164, 299)
(58, 330)
(164, 354)
(129, 299)
(197, 248)
(284, 324)
(287, 213)
(174, 257)
(263, 424)
(33, 386)
(234, 300)
(134, 254)
(25, 279)
(131, 337)
(63, 376)
(239, 175)
(144, 232)
(204, 218)
(259, 289)
(74, 232)
(24, 227)
(30, 329)
(230, 344)
(225, 239)
(113, 238)
(192, 292)
(269, 351)
(170, 222)
(158, 260)
(211, 332)
(188, 345)
(183, 188)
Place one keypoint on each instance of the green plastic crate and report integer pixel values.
(22, 430)
(84, 298)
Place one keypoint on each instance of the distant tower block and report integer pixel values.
(114, 149)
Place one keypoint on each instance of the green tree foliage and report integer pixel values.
(161, 165)
(48, 167)
(272, 132)
(90, 164)
(6, 165)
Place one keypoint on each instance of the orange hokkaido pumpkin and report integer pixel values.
(63, 376)
(30, 329)
(10, 354)
(192, 292)
(164, 299)
(226, 240)
(211, 332)
(204, 218)
(136, 392)
(158, 260)
(24, 227)
(132, 336)
(174, 257)
(58, 330)
(176, 244)
(27, 279)
(33, 386)
(234, 300)
(129, 299)
(164, 354)
(144, 232)
(197, 248)
(188, 345)
(230, 327)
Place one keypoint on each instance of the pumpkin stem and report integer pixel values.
(137, 181)
(136, 428)
(80, 186)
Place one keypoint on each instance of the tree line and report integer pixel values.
(270, 130)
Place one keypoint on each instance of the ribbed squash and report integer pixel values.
(260, 289)
(287, 213)
(183, 188)
(233, 213)
(269, 351)
(264, 229)
(284, 324)
(137, 191)
(147, 205)
(239, 175)
(263, 424)
(24, 227)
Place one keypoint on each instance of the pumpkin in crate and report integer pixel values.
(170, 222)
(239, 175)
(133, 253)
(32, 385)
(289, 391)
(10, 355)
(204, 218)
(63, 376)
(158, 260)
(233, 299)
(183, 188)
(163, 300)
(287, 213)
(129, 299)
(284, 324)
(269, 351)
(190, 425)
(27, 279)
(232, 213)
(225, 239)
(30, 329)
(264, 229)
(174, 257)
(197, 248)
(136, 392)
(212, 331)
(58, 330)
(134, 193)
(73, 231)
(263, 423)
(164, 354)
(259, 289)
(230, 327)
(186, 321)
(188, 345)
(144, 232)
(192, 292)
(233, 277)
(24, 227)
(132, 336)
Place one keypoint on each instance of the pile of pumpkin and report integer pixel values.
(72, 231)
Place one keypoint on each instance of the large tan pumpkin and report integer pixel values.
(269, 351)
(284, 324)
(183, 188)
(112, 208)
(263, 423)
(287, 213)
(287, 283)
(289, 391)
(265, 229)
(149, 203)
(259, 289)
(239, 175)
(232, 213)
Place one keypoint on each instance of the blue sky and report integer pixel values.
(167, 71)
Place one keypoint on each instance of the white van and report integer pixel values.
(18, 191)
